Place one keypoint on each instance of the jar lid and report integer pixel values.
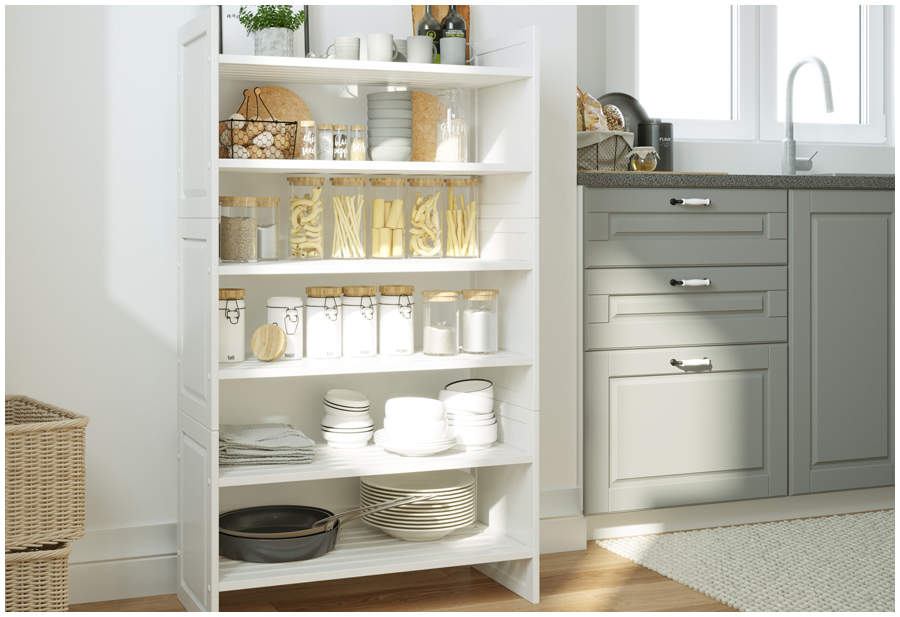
(231, 294)
(268, 202)
(479, 295)
(441, 296)
(644, 151)
(286, 302)
(340, 127)
(396, 290)
(387, 181)
(357, 127)
(461, 182)
(357, 291)
(307, 181)
(323, 292)
(307, 123)
(425, 181)
(325, 127)
(269, 342)
(241, 202)
(355, 181)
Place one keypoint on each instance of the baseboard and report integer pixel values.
(559, 535)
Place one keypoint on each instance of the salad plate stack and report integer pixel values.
(390, 126)
(347, 423)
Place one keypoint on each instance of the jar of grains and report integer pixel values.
(358, 142)
(425, 217)
(323, 322)
(479, 320)
(388, 219)
(347, 218)
(360, 318)
(267, 228)
(325, 143)
(307, 221)
(237, 228)
(286, 312)
(441, 334)
(340, 149)
(462, 217)
(395, 320)
(232, 325)
(307, 140)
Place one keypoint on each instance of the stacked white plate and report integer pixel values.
(347, 423)
(470, 413)
(451, 507)
(414, 426)
(390, 126)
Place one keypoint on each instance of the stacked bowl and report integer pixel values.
(414, 426)
(347, 423)
(390, 126)
(470, 413)
(451, 506)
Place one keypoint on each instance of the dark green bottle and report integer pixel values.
(453, 24)
(429, 26)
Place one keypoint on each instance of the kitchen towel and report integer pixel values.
(263, 444)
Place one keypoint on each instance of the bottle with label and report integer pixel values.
(429, 26)
(453, 24)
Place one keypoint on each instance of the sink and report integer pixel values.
(834, 173)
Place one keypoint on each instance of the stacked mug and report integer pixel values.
(390, 126)
(347, 423)
(470, 413)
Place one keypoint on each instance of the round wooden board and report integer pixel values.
(269, 342)
(284, 105)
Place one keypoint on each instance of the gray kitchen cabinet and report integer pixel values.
(841, 326)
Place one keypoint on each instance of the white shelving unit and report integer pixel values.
(504, 104)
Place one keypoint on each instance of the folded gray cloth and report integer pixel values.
(242, 462)
(263, 444)
(250, 452)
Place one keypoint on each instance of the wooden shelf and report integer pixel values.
(372, 266)
(368, 551)
(267, 166)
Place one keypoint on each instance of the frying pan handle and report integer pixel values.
(346, 517)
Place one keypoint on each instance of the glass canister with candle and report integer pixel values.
(396, 323)
(462, 217)
(388, 218)
(267, 228)
(360, 318)
(426, 199)
(323, 322)
(480, 316)
(346, 222)
(441, 333)
(307, 235)
(237, 228)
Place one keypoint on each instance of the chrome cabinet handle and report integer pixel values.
(690, 363)
(690, 282)
(689, 201)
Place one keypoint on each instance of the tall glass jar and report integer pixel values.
(396, 322)
(452, 127)
(307, 235)
(237, 229)
(323, 322)
(340, 149)
(441, 333)
(360, 330)
(325, 143)
(358, 142)
(462, 217)
(267, 228)
(426, 197)
(232, 325)
(306, 141)
(346, 238)
(480, 312)
(388, 218)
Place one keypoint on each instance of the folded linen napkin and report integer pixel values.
(263, 436)
(241, 462)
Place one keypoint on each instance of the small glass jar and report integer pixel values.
(358, 142)
(323, 322)
(237, 228)
(480, 310)
(426, 197)
(360, 316)
(396, 322)
(306, 140)
(286, 312)
(452, 127)
(325, 143)
(388, 218)
(441, 334)
(644, 158)
(346, 222)
(267, 228)
(462, 217)
(307, 235)
(340, 148)
(232, 325)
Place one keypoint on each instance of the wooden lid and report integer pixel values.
(357, 291)
(325, 127)
(307, 123)
(479, 295)
(441, 296)
(323, 292)
(268, 343)
(354, 181)
(307, 181)
(461, 182)
(268, 202)
(396, 290)
(357, 127)
(231, 294)
(387, 181)
(425, 181)
(340, 127)
(238, 202)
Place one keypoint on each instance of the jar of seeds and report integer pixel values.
(340, 142)
(325, 143)
(358, 142)
(237, 228)
(307, 138)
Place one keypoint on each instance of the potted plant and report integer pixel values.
(273, 27)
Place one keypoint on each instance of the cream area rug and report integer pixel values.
(838, 563)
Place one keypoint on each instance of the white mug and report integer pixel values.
(345, 48)
(453, 50)
(421, 49)
(401, 50)
(381, 48)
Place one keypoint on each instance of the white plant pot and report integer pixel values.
(273, 42)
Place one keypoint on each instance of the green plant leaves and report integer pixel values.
(271, 16)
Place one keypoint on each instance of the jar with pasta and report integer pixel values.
(347, 218)
(462, 217)
(388, 218)
(237, 228)
(426, 197)
(307, 232)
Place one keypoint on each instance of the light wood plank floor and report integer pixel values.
(590, 580)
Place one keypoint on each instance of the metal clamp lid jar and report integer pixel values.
(232, 325)
(286, 312)
(360, 329)
(441, 334)
(479, 320)
(396, 324)
(237, 228)
(323, 322)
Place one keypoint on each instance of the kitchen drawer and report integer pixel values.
(641, 308)
(657, 435)
(638, 227)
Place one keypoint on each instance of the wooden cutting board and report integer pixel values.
(283, 104)
(440, 12)
(425, 110)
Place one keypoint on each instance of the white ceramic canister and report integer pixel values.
(360, 321)
(396, 325)
(286, 312)
(323, 322)
(232, 325)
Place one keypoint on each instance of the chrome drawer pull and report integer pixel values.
(690, 363)
(689, 201)
(690, 282)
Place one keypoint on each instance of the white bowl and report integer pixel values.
(404, 142)
(467, 422)
(357, 440)
(390, 153)
(347, 431)
(346, 398)
(390, 104)
(391, 133)
(413, 408)
(377, 114)
(478, 387)
(343, 413)
(473, 436)
(332, 421)
(464, 401)
(415, 432)
(391, 123)
(405, 95)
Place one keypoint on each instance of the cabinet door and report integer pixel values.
(842, 355)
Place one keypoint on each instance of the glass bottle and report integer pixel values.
(429, 26)
(454, 25)
(340, 142)
(307, 139)
(358, 142)
(452, 127)
(325, 143)
(426, 198)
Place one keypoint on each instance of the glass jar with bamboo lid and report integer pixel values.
(426, 198)
(480, 320)
(340, 149)
(358, 142)
(267, 228)
(462, 217)
(237, 228)
(307, 234)
(441, 334)
(347, 218)
(388, 218)
(307, 141)
(325, 143)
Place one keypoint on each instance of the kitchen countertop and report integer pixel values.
(665, 180)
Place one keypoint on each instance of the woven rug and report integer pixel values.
(838, 563)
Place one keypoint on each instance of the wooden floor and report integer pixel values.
(591, 580)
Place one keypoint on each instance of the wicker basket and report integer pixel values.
(38, 580)
(44, 474)
(612, 154)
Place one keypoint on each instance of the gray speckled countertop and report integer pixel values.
(664, 180)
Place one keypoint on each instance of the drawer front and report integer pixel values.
(657, 201)
(641, 308)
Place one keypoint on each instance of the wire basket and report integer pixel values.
(38, 579)
(44, 473)
(611, 154)
(263, 138)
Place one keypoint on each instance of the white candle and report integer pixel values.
(479, 331)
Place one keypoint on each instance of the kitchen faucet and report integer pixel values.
(789, 161)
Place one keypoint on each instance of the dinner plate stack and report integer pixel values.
(390, 126)
(451, 507)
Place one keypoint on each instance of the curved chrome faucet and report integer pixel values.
(789, 161)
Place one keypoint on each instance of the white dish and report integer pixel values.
(471, 448)
(405, 95)
(344, 413)
(427, 431)
(390, 133)
(346, 398)
(376, 114)
(443, 500)
(413, 409)
(480, 387)
(390, 153)
(401, 142)
(464, 401)
(414, 450)
(382, 438)
(423, 524)
(391, 104)
(442, 510)
(475, 435)
(347, 440)
(391, 123)
(340, 422)
(444, 525)
(459, 422)
(417, 535)
(442, 481)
